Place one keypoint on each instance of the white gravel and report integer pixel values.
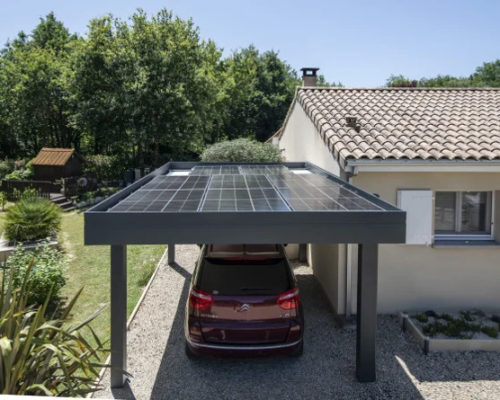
(161, 370)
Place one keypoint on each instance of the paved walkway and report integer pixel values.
(161, 370)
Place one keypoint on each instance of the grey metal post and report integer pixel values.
(303, 253)
(118, 315)
(367, 312)
(171, 254)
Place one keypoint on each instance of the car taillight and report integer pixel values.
(200, 299)
(290, 299)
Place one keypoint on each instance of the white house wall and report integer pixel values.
(419, 277)
(301, 142)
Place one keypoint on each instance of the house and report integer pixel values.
(53, 164)
(435, 153)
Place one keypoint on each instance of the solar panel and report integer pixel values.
(316, 193)
(244, 188)
(242, 193)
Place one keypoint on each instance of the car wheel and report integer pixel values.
(189, 353)
(299, 350)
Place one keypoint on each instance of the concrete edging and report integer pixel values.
(6, 251)
(132, 315)
(428, 344)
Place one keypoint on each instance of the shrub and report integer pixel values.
(146, 271)
(242, 150)
(41, 355)
(422, 318)
(22, 174)
(3, 200)
(47, 273)
(106, 168)
(490, 331)
(33, 218)
(6, 167)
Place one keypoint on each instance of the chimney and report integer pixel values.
(309, 76)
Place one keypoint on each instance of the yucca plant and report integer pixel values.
(31, 219)
(41, 355)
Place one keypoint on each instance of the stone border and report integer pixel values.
(428, 344)
(133, 314)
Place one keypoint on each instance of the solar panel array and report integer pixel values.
(244, 189)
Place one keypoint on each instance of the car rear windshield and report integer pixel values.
(244, 278)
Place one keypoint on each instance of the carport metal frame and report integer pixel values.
(367, 228)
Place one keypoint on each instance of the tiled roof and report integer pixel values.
(406, 123)
(53, 157)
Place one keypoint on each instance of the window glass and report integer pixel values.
(445, 212)
(474, 212)
(244, 278)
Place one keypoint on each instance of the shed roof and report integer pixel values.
(406, 123)
(53, 157)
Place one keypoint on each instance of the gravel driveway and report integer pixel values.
(161, 370)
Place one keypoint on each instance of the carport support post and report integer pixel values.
(171, 254)
(367, 312)
(118, 315)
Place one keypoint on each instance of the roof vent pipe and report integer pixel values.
(309, 76)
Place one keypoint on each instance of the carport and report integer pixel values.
(189, 203)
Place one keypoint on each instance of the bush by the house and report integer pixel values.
(241, 150)
(47, 273)
(31, 219)
(41, 355)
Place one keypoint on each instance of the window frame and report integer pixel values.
(457, 235)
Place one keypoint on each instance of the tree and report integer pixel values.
(262, 89)
(33, 90)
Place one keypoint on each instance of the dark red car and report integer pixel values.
(244, 301)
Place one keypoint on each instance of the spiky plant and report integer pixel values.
(33, 218)
(41, 355)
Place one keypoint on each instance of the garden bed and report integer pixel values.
(7, 248)
(453, 331)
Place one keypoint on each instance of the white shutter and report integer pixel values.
(418, 207)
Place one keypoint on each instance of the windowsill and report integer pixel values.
(462, 244)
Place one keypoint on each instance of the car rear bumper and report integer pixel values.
(214, 350)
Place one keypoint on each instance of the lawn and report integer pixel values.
(89, 266)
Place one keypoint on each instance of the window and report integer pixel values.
(462, 214)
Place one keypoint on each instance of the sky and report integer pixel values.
(357, 42)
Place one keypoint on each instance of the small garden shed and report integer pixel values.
(52, 164)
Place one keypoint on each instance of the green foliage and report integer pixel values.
(22, 174)
(32, 219)
(490, 331)
(458, 328)
(105, 168)
(3, 200)
(6, 167)
(422, 318)
(146, 270)
(241, 150)
(41, 355)
(100, 192)
(46, 278)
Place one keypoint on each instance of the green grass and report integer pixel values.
(89, 266)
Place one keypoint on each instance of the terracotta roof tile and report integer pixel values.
(53, 157)
(407, 122)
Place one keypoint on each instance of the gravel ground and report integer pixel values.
(161, 370)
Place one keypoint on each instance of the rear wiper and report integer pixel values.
(253, 288)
